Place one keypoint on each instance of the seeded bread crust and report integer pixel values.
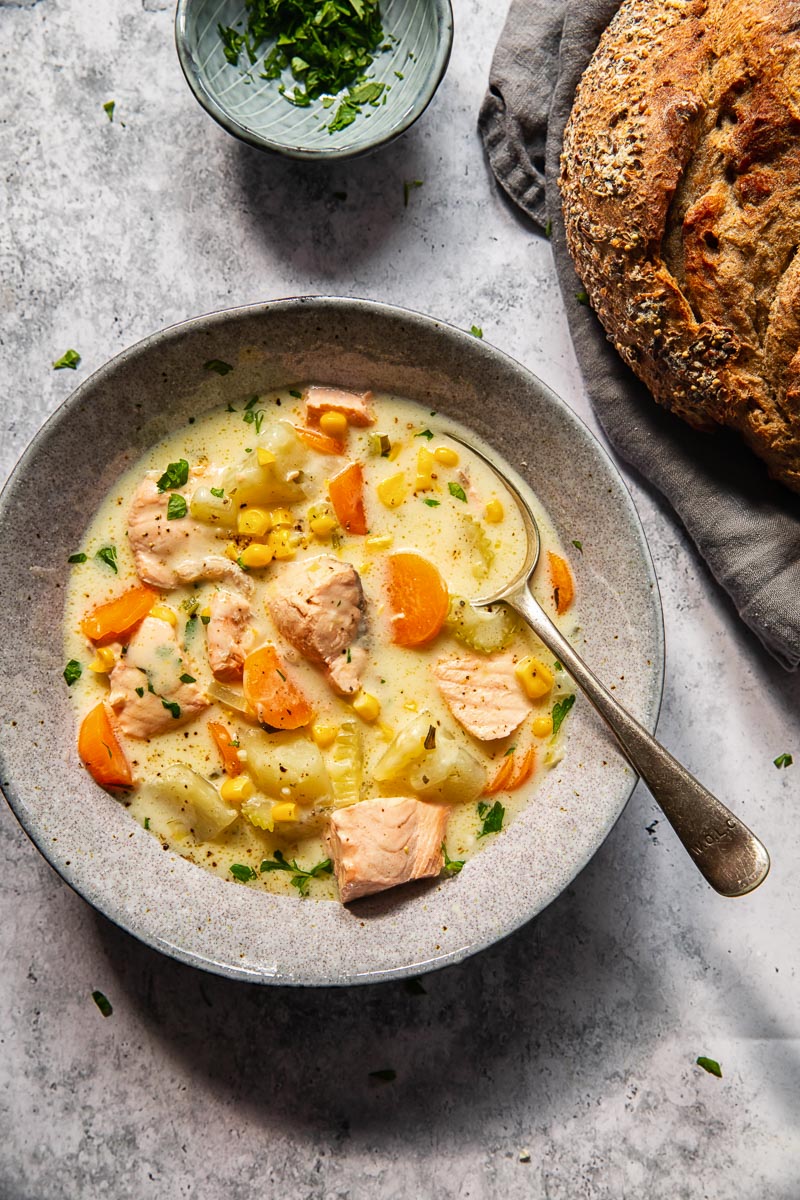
(680, 181)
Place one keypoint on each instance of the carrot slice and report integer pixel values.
(110, 621)
(100, 750)
(318, 440)
(512, 773)
(418, 598)
(499, 780)
(224, 743)
(346, 491)
(561, 577)
(274, 697)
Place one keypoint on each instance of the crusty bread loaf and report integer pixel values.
(680, 181)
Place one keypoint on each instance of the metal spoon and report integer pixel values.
(726, 853)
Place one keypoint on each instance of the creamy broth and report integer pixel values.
(438, 512)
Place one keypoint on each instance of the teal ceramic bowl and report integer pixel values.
(251, 108)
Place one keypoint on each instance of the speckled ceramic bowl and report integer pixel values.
(251, 108)
(176, 906)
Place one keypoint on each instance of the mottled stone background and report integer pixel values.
(574, 1041)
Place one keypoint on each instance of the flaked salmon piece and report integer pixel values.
(356, 406)
(171, 552)
(378, 844)
(229, 637)
(482, 693)
(147, 693)
(317, 604)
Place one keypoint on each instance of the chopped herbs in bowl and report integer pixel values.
(314, 78)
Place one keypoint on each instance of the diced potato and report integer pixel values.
(345, 765)
(254, 482)
(486, 630)
(213, 510)
(286, 766)
(536, 678)
(431, 762)
(206, 812)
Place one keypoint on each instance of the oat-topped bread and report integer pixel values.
(680, 181)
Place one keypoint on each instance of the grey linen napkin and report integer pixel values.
(746, 527)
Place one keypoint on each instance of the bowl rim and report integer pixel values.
(217, 318)
(194, 78)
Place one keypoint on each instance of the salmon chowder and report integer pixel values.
(274, 659)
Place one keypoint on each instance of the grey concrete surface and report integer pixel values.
(561, 1063)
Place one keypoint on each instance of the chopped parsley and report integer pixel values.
(176, 508)
(147, 822)
(300, 879)
(102, 1003)
(242, 873)
(426, 433)
(783, 760)
(292, 392)
(205, 618)
(186, 678)
(476, 331)
(578, 545)
(492, 818)
(251, 403)
(108, 555)
(386, 1075)
(432, 503)
(509, 751)
(72, 671)
(407, 187)
(70, 358)
(176, 476)
(139, 691)
(582, 297)
(77, 558)
(711, 1065)
(548, 229)
(218, 366)
(108, 109)
(451, 865)
(558, 666)
(560, 710)
(218, 492)
(254, 417)
(172, 706)
(455, 489)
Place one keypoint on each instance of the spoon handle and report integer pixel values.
(727, 854)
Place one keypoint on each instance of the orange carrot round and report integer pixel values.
(346, 491)
(100, 750)
(318, 440)
(561, 578)
(273, 696)
(116, 618)
(418, 598)
(224, 743)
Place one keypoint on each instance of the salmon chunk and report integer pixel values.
(356, 406)
(170, 552)
(317, 604)
(482, 693)
(378, 844)
(148, 693)
(229, 637)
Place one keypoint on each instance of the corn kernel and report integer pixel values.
(381, 542)
(280, 516)
(494, 513)
(446, 456)
(367, 706)
(164, 613)
(237, 789)
(265, 457)
(232, 551)
(393, 491)
(103, 661)
(255, 521)
(285, 811)
(426, 465)
(333, 424)
(535, 677)
(542, 726)
(257, 555)
(282, 543)
(387, 732)
(411, 706)
(322, 527)
(324, 735)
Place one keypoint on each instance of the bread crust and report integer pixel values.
(680, 182)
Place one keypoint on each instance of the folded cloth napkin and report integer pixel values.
(746, 527)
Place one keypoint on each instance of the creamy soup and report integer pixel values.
(273, 657)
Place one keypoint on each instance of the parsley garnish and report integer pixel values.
(205, 618)
(711, 1065)
(451, 865)
(255, 418)
(582, 297)
(139, 691)
(300, 879)
(560, 710)
(386, 1075)
(407, 186)
(548, 229)
(176, 507)
(432, 503)
(578, 545)
(70, 358)
(186, 678)
(72, 671)
(476, 331)
(558, 666)
(455, 489)
(108, 555)
(102, 1003)
(509, 751)
(297, 395)
(147, 822)
(492, 818)
(426, 433)
(218, 492)
(783, 760)
(175, 476)
(242, 873)
(217, 365)
(108, 109)
(76, 558)
(172, 706)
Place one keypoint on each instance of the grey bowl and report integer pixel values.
(174, 905)
(255, 112)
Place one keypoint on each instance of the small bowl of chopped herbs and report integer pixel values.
(314, 79)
